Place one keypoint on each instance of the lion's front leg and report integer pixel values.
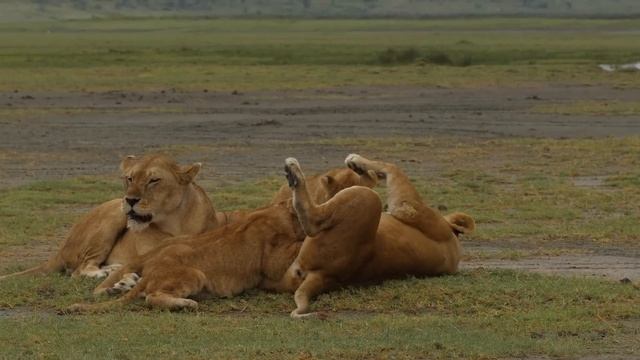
(314, 284)
(92, 239)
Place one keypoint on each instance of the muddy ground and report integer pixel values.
(247, 135)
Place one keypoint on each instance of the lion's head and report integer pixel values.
(325, 186)
(155, 186)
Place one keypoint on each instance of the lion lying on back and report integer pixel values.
(350, 241)
(161, 201)
(260, 250)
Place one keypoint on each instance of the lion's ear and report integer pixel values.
(188, 173)
(127, 162)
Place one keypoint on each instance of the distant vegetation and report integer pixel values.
(254, 54)
(77, 9)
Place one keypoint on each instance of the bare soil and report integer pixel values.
(246, 136)
(617, 268)
(572, 260)
(242, 136)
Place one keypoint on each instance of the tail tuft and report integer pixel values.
(461, 223)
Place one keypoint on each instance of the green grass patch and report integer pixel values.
(190, 54)
(527, 190)
(476, 314)
(520, 190)
(40, 210)
(246, 195)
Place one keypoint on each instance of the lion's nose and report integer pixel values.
(132, 201)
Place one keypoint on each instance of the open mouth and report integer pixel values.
(132, 215)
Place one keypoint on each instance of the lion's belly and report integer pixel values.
(134, 243)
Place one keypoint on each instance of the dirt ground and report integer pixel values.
(86, 133)
(246, 136)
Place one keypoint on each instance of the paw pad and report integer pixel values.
(292, 178)
(351, 160)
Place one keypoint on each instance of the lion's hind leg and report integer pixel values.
(403, 200)
(170, 302)
(170, 291)
(312, 217)
(127, 298)
(340, 234)
(461, 223)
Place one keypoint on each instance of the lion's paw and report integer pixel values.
(125, 284)
(355, 163)
(293, 172)
(101, 272)
(361, 165)
(295, 314)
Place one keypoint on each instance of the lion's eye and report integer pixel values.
(129, 179)
(153, 181)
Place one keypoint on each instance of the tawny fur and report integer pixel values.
(253, 252)
(351, 242)
(348, 242)
(178, 205)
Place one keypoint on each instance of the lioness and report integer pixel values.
(253, 252)
(350, 241)
(161, 200)
(270, 238)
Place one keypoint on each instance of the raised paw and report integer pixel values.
(292, 172)
(353, 162)
(360, 165)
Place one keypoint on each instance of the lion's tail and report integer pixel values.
(108, 305)
(54, 264)
(461, 223)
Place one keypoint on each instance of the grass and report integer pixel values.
(42, 209)
(525, 189)
(479, 314)
(538, 195)
(39, 213)
(488, 179)
(245, 55)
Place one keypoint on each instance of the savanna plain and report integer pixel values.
(509, 120)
